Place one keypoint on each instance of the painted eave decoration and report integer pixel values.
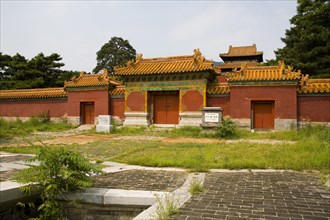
(264, 73)
(166, 65)
(89, 80)
(308, 86)
(218, 89)
(33, 93)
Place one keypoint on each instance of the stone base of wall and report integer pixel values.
(136, 118)
(301, 124)
(74, 120)
(243, 122)
(285, 124)
(190, 118)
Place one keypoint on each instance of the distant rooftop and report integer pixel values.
(242, 51)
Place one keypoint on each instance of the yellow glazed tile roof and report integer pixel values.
(175, 64)
(119, 90)
(33, 93)
(217, 89)
(86, 80)
(241, 51)
(264, 73)
(314, 86)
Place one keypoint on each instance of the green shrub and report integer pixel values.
(227, 129)
(60, 171)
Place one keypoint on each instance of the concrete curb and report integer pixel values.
(115, 197)
(178, 196)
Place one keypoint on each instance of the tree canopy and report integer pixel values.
(307, 42)
(114, 53)
(16, 72)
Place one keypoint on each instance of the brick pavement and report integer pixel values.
(142, 180)
(273, 195)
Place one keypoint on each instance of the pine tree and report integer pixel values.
(307, 42)
(114, 53)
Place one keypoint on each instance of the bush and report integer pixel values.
(227, 129)
(60, 171)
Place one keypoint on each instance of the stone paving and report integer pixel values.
(228, 195)
(259, 195)
(142, 180)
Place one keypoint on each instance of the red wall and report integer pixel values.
(192, 101)
(314, 108)
(219, 101)
(135, 101)
(117, 107)
(28, 108)
(285, 98)
(99, 97)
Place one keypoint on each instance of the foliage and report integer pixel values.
(227, 128)
(166, 207)
(40, 123)
(16, 72)
(60, 171)
(196, 188)
(307, 42)
(114, 53)
(271, 62)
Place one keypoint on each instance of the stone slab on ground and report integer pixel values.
(259, 195)
(13, 166)
(142, 180)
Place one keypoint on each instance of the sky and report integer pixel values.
(76, 30)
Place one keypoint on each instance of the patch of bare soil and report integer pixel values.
(192, 140)
(77, 139)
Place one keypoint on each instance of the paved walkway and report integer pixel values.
(259, 195)
(228, 194)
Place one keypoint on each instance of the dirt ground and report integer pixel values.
(69, 137)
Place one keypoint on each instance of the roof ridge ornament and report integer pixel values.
(198, 58)
(133, 62)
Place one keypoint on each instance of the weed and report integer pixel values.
(227, 129)
(166, 207)
(60, 171)
(196, 188)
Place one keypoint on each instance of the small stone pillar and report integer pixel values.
(104, 124)
(212, 117)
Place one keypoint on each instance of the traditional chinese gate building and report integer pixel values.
(173, 91)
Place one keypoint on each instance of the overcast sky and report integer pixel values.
(77, 29)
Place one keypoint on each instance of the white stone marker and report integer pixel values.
(104, 124)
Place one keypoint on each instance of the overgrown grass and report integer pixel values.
(19, 128)
(310, 151)
(196, 188)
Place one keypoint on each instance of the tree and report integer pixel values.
(307, 42)
(114, 53)
(40, 72)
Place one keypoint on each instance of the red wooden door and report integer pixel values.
(160, 109)
(263, 115)
(166, 109)
(172, 109)
(88, 113)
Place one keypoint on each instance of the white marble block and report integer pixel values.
(104, 124)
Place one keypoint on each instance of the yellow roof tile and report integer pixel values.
(33, 93)
(175, 64)
(119, 90)
(241, 51)
(216, 89)
(314, 86)
(86, 80)
(264, 73)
